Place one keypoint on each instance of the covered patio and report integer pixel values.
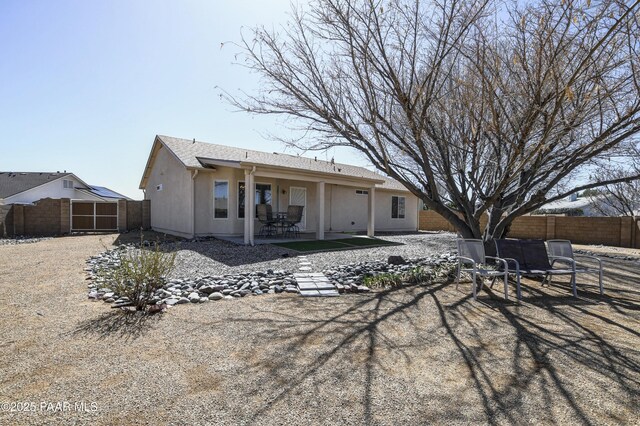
(289, 178)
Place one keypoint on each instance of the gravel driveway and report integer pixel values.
(415, 355)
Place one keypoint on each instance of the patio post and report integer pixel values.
(247, 202)
(371, 212)
(320, 204)
(251, 190)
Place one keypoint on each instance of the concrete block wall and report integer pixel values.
(611, 231)
(65, 216)
(42, 218)
(6, 221)
(48, 217)
(122, 215)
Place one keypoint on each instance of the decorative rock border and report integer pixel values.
(609, 256)
(21, 240)
(176, 291)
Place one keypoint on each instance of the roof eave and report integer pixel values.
(248, 164)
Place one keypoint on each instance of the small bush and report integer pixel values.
(417, 275)
(387, 280)
(141, 272)
(445, 272)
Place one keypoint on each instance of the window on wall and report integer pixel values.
(221, 199)
(362, 192)
(67, 184)
(397, 207)
(262, 196)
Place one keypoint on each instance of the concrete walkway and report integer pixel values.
(313, 284)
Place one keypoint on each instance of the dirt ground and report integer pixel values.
(416, 355)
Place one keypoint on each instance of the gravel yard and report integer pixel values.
(222, 257)
(417, 355)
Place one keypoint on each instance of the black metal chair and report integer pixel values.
(265, 217)
(530, 258)
(294, 217)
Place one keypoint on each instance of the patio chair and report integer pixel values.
(294, 217)
(471, 252)
(561, 250)
(531, 259)
(265, 217)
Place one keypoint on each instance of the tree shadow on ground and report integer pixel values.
(127, 325)
(521, 359)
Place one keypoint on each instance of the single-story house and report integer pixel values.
(202, 189)
(55, 203)
(29, 187)
(573, 205)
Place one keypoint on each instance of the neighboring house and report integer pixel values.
(202, 189)
(29, 187)
(571, 206)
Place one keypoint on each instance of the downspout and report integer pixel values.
(193, 203)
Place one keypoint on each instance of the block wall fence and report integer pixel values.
(610, 231)
(49, 217)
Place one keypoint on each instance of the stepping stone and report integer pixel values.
(315, 284)
(310, 293)
(305, 268)
(307, 286)
(305, 263)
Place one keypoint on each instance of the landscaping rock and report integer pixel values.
(216, 296)
(195, 283)
(396, 260)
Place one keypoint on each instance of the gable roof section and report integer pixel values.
(14, 183)
(206, 155)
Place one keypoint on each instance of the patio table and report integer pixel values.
(281, 221)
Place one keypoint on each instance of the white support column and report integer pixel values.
(247, 208)
(251, 190)
(320, 205)
(371, 214)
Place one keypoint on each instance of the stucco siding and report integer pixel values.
(171, 210)
(384, 221)
(345, 211)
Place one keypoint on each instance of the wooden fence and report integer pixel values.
(610, 231)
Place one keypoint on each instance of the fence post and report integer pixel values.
(18, 219)
(551, 227)
(146, 214)
(122, 215)
(626, 230)
(65, 216)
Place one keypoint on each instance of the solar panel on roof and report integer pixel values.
(101, 191)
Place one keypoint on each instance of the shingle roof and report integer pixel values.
(14, 183)
(188, 152)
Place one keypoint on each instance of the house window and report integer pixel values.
(263, 196)
(221, 199)
(67, 184)
(362, 192)
(397, 207)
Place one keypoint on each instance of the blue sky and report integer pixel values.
(86, 85)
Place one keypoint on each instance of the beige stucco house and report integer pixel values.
(203, 189)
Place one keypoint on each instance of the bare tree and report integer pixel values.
(476, 109)
(622, 198)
